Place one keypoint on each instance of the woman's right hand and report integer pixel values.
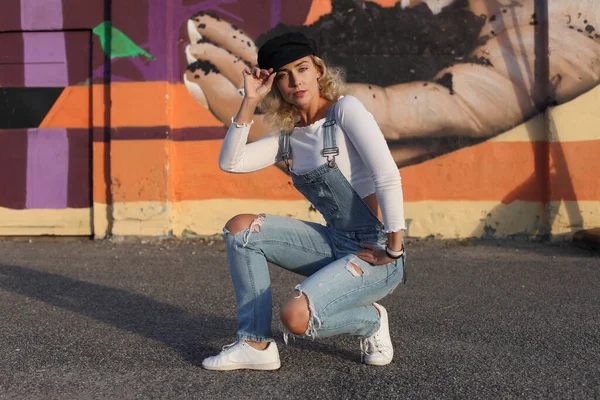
(257, 83)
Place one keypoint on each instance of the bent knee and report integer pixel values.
(295, 314)
(241, 222)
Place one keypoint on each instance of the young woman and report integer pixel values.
(342, 165)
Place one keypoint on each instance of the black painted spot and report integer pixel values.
(480, 60)
(197, 19)
(597, 36)
(579, 30)
(197, 76)
(248, 43)
(571, 27)
(533, 20)
(215, 16)
(206, 66)
(585, 21)
(446, 81)
(202, 26)
(590, 29)
(205, 40)
(492, 18)
(235, 37)
(26, 107)
(235, 28)
(199, 14)
(505, 11)
(370, 87)
(373, 96)
(493, 33)
(398, 40)
(425, 84)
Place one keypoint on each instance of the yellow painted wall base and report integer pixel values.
(140, 218)
(207, 217)
(452, 219)
(441, 219)
(68, 221)
(463, 219)
(568, 217)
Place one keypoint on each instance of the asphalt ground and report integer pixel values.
(128, 319)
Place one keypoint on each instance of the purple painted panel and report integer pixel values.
(38, 15)
(47, 168)
(275, 12)
(45, 59)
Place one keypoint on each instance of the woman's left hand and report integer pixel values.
(373, 255)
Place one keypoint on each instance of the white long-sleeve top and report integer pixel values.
(364, 160)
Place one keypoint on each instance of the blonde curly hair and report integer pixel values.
(281, 116)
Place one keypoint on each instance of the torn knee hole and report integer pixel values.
(354, 269)
(314, 322)
(254, 227)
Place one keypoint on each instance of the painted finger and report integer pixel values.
(222, 97)
(574, 60)
(223, 34)
(503, 15)
(424, 110)
(229, 65)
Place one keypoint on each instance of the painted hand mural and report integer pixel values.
(437, 76)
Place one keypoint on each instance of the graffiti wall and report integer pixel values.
(112, 114)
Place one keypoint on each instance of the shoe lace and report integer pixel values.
(371, 345)
(230, 347)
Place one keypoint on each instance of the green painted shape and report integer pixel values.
(120, 44)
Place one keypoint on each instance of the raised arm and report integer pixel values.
(236, 154)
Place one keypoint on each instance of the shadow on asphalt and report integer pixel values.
(188, 334)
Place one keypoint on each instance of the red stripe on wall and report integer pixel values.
(13, 168)
(12, 70)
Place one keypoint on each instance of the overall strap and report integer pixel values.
(330, 150)
(284, 146)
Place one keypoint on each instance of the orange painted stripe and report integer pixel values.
(196, 176)
(491, 171)
(575, 171)
(186, 112)
(138, 170)
(495, 171)
(100, 173)
(319, 8)
(501, 168)
(133, 104)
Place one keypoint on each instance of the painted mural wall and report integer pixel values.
(112, 113)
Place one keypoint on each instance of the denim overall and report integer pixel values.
(340, 287)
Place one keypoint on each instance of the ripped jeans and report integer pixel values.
(340, 287)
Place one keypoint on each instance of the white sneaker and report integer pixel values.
(240, 355)
(377, 349)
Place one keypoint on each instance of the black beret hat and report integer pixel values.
(284, 49)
